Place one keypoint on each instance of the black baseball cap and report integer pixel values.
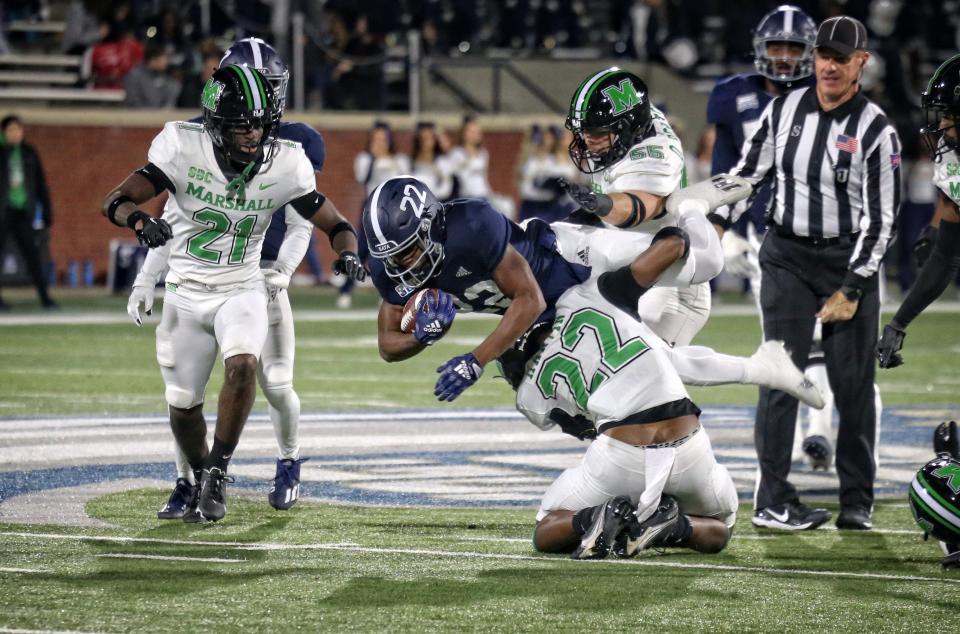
(842, 34)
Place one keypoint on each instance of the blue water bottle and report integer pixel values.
(87, 272)
(73, 273)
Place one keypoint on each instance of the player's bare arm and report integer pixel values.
(515, 280)
(394, 344)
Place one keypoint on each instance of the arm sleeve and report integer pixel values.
(295, 242)
(937, 272)
(881, 197)
(153, 265)
(164, 152)
(759, 154)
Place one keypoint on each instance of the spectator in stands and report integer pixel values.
(149, 85)
(24, 202)
(470, 161)
(194, 82)
(359, 74)
(428, 158)
(546, 163)
(375, 164)
(114, 57)
(166, 31)
(83, 27)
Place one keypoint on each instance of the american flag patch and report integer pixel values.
(847, 143)
(894, 161)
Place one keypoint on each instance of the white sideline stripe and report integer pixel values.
(22, 570)
(214, 560)
(350, 547)
(18, 630)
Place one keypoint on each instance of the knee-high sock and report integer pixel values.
(285, 416)
(699, 365)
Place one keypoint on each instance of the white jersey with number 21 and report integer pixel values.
(217, 236)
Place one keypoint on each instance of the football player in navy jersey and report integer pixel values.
(783, 55)
(275, 370)
(484, 262)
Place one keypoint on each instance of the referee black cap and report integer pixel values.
(842, 34)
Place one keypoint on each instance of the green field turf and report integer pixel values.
(326, 568)
(322, 568)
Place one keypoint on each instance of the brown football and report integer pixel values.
(417, 301)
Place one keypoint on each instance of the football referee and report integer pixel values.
(833, 158)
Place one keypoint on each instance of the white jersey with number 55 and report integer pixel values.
(216, 236)
(654, 165)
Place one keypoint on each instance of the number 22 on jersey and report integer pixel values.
(567, 367)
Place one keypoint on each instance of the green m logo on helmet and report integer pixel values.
(950, 473)
(622, 97)
(210, 98)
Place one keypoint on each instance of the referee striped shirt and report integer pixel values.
(835, 173)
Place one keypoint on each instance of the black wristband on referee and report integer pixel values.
(340, 227)
(136, 216)
(112, 208)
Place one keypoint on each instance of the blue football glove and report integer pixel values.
(435, 318)
(456, 375)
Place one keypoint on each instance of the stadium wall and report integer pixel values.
(88, 152)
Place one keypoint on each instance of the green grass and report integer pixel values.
(390, 569)
(370, 569)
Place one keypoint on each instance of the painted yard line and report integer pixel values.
(213, 560)
(18, 630)
(646, 561)
(22, 570)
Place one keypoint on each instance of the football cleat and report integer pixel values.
(212, 500)
(792, 516)
(608, 521)
(772, 367)
(650, 532)
(819, 452)
(179, 501)
(286, 484)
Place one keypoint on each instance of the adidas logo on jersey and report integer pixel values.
(462, 272)
(584, 255)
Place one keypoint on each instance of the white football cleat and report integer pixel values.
(771, 366)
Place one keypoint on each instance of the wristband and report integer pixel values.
(340, 227)
(114, 204)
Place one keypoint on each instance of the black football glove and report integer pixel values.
(349, 264)
(946, 440)
(888, 350)
(923, 247)
(154, 232)
(580, 427)
(597, 204)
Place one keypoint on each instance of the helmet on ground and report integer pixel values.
(935, 498)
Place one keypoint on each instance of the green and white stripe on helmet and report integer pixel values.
(583, 94)
(253, 90)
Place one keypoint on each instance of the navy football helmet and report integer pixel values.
(786, 23)
(255, 53)
(941, 99)
(402, 221)
(238, 98)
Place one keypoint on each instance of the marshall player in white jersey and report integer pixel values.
(226, 178)
(941, 106)
(634, 161)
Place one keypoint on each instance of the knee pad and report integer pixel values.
(276, 376)
(181, 398)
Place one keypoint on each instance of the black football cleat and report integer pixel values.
(639, 536)
(608, 521)
(854, 518)
(179, 501)
(819, 452)
(212, 500)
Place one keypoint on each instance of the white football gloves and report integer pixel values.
(738, 255)
(276, 281)
(141, 293)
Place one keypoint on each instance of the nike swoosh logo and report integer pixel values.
(265, 186)
(780, 517)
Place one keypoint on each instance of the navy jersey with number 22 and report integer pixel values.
(475, 240)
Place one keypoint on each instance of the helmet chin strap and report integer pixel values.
(238, 186)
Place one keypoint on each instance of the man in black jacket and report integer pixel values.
(23, 193)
